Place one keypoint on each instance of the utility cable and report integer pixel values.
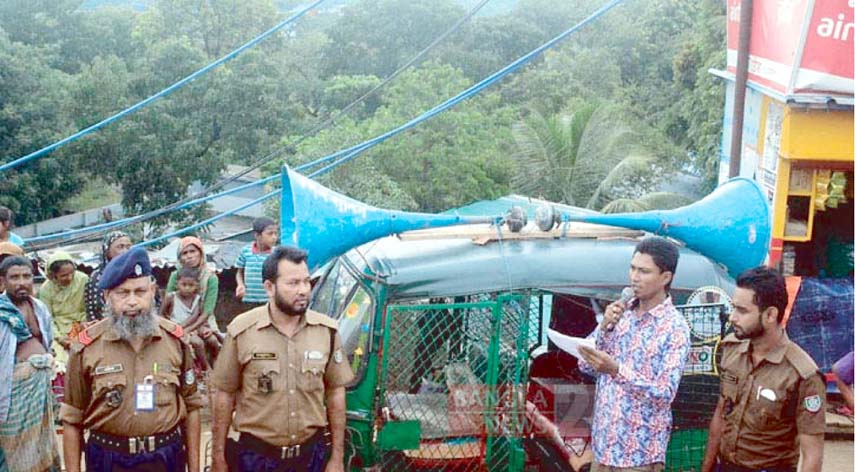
(346, 155)
(177, 85)
(353, 151)
(193, 200)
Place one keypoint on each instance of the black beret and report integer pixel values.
(131, 264)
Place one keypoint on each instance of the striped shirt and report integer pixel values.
(251, 260)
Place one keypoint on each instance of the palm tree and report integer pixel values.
(588, 158)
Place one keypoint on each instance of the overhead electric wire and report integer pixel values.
(345, 155)
(195, 199)
(161, 94)
(353, 151)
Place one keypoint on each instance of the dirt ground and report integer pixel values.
(839, 456)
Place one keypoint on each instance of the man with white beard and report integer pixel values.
(130, 382)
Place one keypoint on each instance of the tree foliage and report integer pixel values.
(597, 121)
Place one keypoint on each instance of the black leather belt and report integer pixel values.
(260, 446)
(731, 467)
(136, 444)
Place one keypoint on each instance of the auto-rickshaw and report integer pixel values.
(446, 327)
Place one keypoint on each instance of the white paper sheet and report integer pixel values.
(569, 344)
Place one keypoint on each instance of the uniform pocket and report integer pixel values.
(313, 373)
(264, 376)
(167, 385)
(110, 388)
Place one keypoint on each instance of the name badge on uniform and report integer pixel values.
(263, 356)
(144, 394)
(314, 355)
(108, 369)
(728, 377)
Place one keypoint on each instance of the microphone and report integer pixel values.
(625, 296)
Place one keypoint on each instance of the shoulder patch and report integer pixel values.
(243, 321)
(801, 361)
(313, 317)
(90, 334)
(171, 327)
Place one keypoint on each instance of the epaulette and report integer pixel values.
(801, 361)
(171, 327)
(243, 321)
(90, 334)
(313, 317)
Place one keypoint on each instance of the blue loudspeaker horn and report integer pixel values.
(328, 224)
(731, 225)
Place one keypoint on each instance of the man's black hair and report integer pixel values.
(664, 253)
(6, 214)
(768, 286)
(14, 261)
(270, 268)
(261, 223)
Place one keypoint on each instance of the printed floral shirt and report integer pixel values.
(632, 410)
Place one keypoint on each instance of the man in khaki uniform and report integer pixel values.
(130, 383)
(772, 395)
(283, 374)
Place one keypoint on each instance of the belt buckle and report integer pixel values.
(291, 452)
(138, 444)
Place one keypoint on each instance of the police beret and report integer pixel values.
(131, 264)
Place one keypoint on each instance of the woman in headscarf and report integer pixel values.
(191, 253)
(114, 244)
(63, 295)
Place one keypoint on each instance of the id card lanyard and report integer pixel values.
(145, 394)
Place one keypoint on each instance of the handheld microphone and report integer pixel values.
(625, 296)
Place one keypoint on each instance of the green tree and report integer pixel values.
(376, 37)
(586, 158)
(453, 159)
(29, 118)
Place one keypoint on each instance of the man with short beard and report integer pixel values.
(27, 440)
(130, 382)
(772, 394)
(282, 372)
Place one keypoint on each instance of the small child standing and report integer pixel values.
(250, 287)
(184, 306)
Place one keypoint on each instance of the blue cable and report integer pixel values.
(161, 94)
(353, 151)
(134, 219)
(210, 220)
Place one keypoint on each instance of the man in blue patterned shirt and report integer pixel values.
(641, 348)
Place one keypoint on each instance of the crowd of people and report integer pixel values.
(130, 377)
(127, 362)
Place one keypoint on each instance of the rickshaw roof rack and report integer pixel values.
(484, 233)
(424, 263)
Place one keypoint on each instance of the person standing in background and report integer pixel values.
(63, 294)
(114, 244)
(250, 287)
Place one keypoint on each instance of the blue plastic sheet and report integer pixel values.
(821, 319)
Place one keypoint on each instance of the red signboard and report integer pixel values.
(784, 33)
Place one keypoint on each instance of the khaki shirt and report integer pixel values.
(767, 406)
(103, 371)
(279, 381)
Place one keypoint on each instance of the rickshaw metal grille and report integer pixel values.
(459, 369)
(698, 393)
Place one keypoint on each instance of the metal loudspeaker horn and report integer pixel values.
(731, 225)
(328, 224)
